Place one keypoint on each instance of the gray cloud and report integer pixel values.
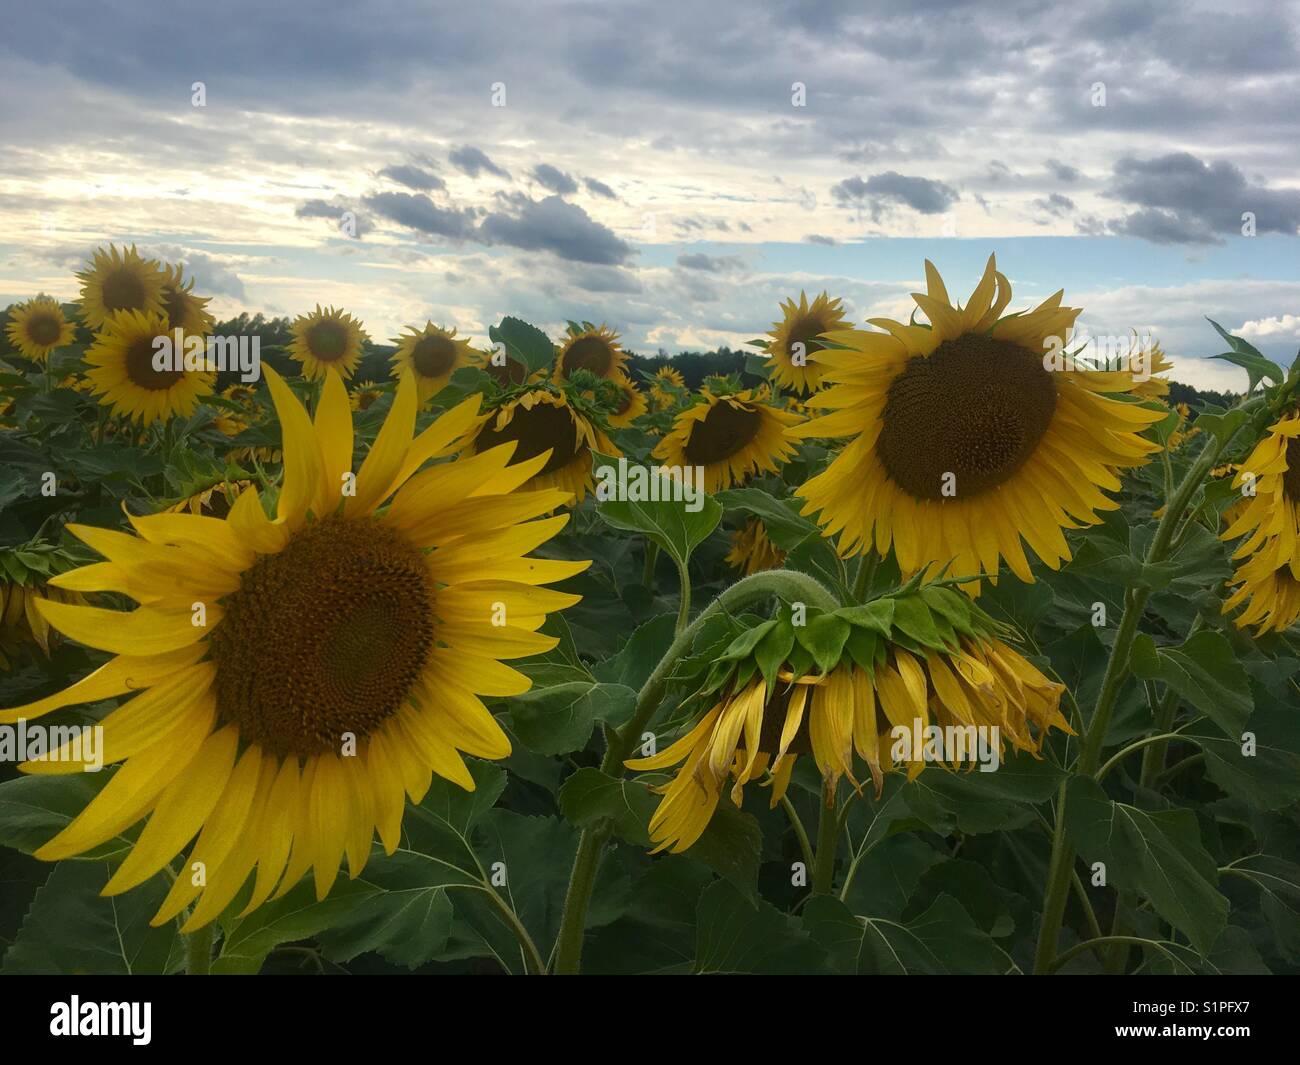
(554, 180)
(333, 211)
(1184, 200)
(553, 225)
(1055, 204)
(420, 213)
(413, 177)
(891, 188)
(474, 161)
(1063, 171)
(713, 264)
(599, 188)
(819, 238)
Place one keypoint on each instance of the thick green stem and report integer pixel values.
(828, 844)
(684, 599)
(1135, 599)
(866, 571)
(198, 951)
(788, 585)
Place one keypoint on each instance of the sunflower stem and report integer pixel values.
(1061, 864)
(198, 951)
(828, 844)
(866, 571)
(651, 557)
(783, 584)
(684, 600)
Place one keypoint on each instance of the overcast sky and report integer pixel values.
(674, 169)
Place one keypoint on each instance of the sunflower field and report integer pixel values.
(904, 649)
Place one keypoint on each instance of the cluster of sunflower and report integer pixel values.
(344, 598)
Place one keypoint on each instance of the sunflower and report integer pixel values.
(214, 500)
(1271, 594)
(363, 395)
(631, 404)
(341, 660)
(1148, 362)
(37, 327)
(21, 622)
(751, 550)
(185, 310)
(507, 371)
(328, 339)
(433, 355)
(667, 377)
(731, 436)
(1181, 433)
(802, 324)
(752, 729)
(120, 281)
(123, 372)
(550, 435)
(963, 442)
(1270, 520)
(595, 349)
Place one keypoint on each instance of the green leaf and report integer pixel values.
(633, 665)
(590, 795)
(732, 847)
(785, 527)
(942, 940)
(1268, 778)
(876, 616)
(773, 650)
(669, 524)
(524, 343)
(71, 928)
(735, 935)
(823, 637)
(914, 619)
(296, 915)
(1204, 671)
(34, 809)
(560, 719)
(1248, 357)
(1158, 855)
(407, 920)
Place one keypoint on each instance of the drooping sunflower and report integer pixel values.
(185, 310)
(124, 374)
(731, 436)
(752, 730)
(550, 435)
(1270, 521)
(595, 349)
(343, 648)
(120, 280)
(433, 354)
(325, 340)
(1270, 592)
(21, 622)
(751, 550)
(38, 327)
(797, 336)
(963, 441)
(1146, 363)
(631, 404)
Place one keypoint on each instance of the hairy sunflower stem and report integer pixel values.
(828, 844)
(198, 951)
(684, 599)
(788, 585)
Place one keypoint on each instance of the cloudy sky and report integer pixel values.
(672, 168)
